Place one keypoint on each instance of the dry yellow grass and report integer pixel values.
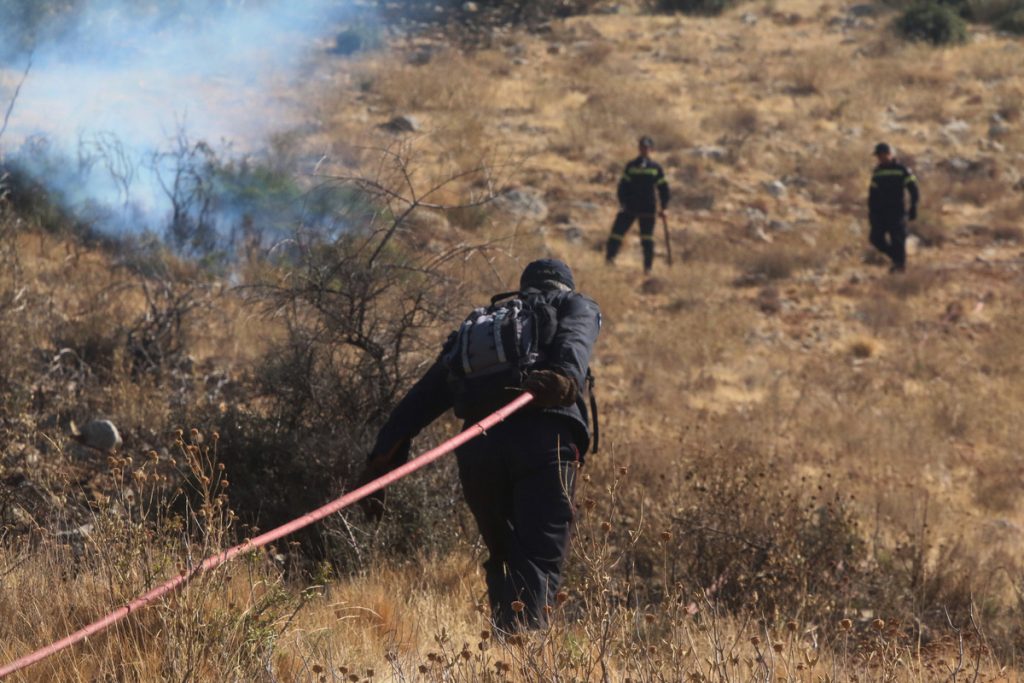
(905, 394)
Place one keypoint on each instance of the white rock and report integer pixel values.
(957, 128)
(775, 188)
(709, 152)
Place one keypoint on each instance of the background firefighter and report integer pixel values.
(642, 187)
(887, 211)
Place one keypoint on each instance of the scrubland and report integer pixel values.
(810, 469)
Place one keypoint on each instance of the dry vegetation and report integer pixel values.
(812, 478)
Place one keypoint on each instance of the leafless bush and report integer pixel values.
(360, 313)
(774, 263)
(882, 313)
(914, 282)
(185, 173)
(157, 340)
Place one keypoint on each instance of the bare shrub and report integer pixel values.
(430, 87)
(157, 340)
(774, 263)
(360, 312)
(914, 282)
(612, 113)
(1009, 234)
(810, 74)
(882, 313)
(748, 533)
(863, 348)
(930, 227)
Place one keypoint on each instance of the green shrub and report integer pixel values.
(700, 7)
(992, 11)
(961, 7)
(1012, 22)
(932, 22)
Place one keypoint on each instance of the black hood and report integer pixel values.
(546, 270)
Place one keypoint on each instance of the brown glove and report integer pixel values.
(551, 389)
(377, 465)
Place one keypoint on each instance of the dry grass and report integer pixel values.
(736, 429)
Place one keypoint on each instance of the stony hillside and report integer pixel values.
(776, 317)
(842, 444)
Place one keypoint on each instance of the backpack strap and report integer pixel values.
(593, 410)
(504, 295)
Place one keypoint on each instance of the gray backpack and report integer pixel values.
(493, 350)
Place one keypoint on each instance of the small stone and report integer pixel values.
(998, 128)
(470, 7)
(775, 188)
(573, 234)
(713, 152)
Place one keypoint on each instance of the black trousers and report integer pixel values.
(518, 480)
(889, 236)
(623, 222)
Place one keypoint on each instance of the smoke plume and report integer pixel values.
(118, 90)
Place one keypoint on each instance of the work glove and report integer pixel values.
(378, 463)
(912, 214)
(551, 389)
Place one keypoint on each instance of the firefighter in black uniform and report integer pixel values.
(641, 181)
(887, 209)
(519, 477)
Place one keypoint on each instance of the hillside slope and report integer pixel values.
(790, 433)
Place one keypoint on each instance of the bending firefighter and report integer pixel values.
(887, 209)
(642, 186)
(518, 478)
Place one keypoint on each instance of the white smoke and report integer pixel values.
(123, 81)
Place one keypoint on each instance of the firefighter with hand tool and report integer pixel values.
(518, 478)
(887, 210)
(642, 187)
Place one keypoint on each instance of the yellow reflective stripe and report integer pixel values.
(614, 237)
(626, 177)
(910, 179)
(888, 172)
(663, 181)
(642, 171)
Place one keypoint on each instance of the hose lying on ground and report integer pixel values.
(213, 561)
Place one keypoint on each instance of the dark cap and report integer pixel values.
(882, 148)
(647, 142)
(546, 270)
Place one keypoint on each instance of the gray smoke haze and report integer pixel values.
(114, 83)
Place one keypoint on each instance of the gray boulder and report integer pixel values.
(525, 203)
(100, 435)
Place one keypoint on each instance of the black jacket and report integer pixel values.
(579, 321)
(641, 179)
(889, 182)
